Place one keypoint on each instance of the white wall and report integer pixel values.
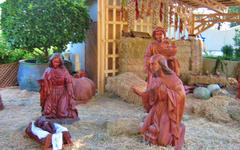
(216, 39)
(79, 48)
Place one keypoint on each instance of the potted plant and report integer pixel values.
(42, 28)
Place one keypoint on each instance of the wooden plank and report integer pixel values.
(205, 21)
(101, 47)
(114, 38)
(211, 4)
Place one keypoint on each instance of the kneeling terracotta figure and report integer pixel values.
(164, 100)
(56, 93)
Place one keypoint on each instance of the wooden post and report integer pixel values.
(192, 24)
(101, 46)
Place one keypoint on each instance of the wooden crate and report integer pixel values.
(8, 74)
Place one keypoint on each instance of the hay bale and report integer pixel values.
(131, 55)
(215, 109)
(234, 112)
(132, 50)
(121, 86)
(221, 92)
(234, 109)
(202, 79)
(196, 56)
(123, 126)
(183, 55)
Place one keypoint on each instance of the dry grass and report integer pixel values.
(89, 133)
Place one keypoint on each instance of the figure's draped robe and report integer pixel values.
(164, 101)
(56, 94)
(167, 51)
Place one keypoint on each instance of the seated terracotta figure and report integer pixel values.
(56, 92)
(1, 103)
(164, 100)
(161, 45)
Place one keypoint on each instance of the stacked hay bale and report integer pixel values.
(121, 85)
(131, 55)
(132, 50)
(215, 109)
(184, 57)
(201, 79)
(196, 56)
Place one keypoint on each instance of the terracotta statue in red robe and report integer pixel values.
(164, 100)
(56, 93)
(161, 45)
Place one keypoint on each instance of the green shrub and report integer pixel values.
(237, 38)
(228, 51)
(44, 26)
(7, 55)
(237, 52)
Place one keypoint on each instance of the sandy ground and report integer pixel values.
(21, 107)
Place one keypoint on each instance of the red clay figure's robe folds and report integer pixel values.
(165, 49)
(161, 45)
(164, 101)
(56, 92)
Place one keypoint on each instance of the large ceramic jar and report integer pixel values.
(28, 74)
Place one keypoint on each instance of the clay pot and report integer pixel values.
(84, 89)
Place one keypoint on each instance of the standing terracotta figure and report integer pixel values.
(161, 45)
(164, 100)
(56, 93)
(1, 103)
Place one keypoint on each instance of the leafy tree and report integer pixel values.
(234, 9)
(7, 55)
(237, 38)
(44, 26)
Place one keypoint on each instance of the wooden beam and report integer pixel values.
(238, 1)
(211, 4)
(215, 18)
(204, 21)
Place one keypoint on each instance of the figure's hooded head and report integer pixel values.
(159, 33)
(158, 63)
(56, 61)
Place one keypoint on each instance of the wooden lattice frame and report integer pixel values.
(110, 27)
